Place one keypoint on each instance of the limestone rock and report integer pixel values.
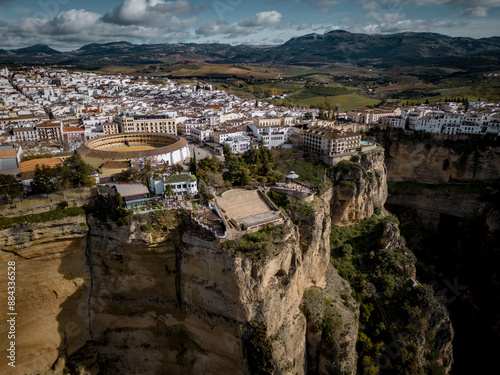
(52, 291)
(360, 189)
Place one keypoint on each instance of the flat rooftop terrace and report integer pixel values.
(247, 208)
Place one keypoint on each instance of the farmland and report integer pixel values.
(337, 85)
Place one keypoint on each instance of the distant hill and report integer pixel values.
(36, 49)
(332, 47)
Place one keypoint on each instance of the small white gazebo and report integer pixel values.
(292, 176)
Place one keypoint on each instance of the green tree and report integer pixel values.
(266, 165)
(192, 163)
(245, 178)
(75, 172)
(44, 180)
(10, 187)
(208, 164)
(227, 152)
(252, 156)
(169, 191)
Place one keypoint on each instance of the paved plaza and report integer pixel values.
(247, 208)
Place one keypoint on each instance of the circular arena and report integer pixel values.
(158, 147)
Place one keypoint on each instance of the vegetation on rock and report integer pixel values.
(109, 208)
(400, 319)
(6, 222)
(261, 243)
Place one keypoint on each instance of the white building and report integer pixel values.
(199, 134)
(330, 142)
(182, 184)
(238, 143)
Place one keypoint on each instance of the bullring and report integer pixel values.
(134, 147)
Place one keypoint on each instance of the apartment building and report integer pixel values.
(330, 142)
(200, 135)
(238, 143)
(73, 135)
(268, 121)
(49, 131)
(152, 124)
(222, 135)
(110, 128)
(25, 134)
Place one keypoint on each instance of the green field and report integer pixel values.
(343, 102)
(340, 85)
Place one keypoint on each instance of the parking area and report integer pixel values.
(202, 153)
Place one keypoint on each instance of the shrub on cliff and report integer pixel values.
(256, 245)
(108, 208)
(395, 312)
(6, 222)
(259, 349)
(10, 187)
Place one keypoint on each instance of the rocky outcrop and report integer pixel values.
(332, 327)
(360, 188)
(435, 159)
(52, 292)
(190, 303)
(162, 295)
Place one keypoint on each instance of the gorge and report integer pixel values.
(161, 295)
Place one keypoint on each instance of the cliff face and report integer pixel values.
(187, 304)
(438, 159)
(360, 188)
(170, 299)
(442, 161)
(452, 223)
(161, 295)
(52, 292)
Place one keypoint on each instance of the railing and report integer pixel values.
(217, 234)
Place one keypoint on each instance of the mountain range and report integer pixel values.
(332, 47)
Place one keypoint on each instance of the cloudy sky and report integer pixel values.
(69, 24)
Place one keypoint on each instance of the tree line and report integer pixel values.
(72, 173)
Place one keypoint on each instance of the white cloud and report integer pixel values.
(73, 21)
(71, 28)
(263, 19)
(148, 12)
(322, 5)
(304, 26)
(133, 20)
(475, 12)
(176, 24)
(446, 3)
(403, 25)
(258, 22)
(386, 17)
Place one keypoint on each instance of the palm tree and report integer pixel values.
(169, 192)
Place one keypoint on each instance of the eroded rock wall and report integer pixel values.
(52, 292)
(360, 188)
(174, 300)
(440, 159)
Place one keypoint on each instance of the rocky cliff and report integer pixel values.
(53, 286)
(445, 192)
(360, 188)
(161, 295)
(174, 300)
(438, 159)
